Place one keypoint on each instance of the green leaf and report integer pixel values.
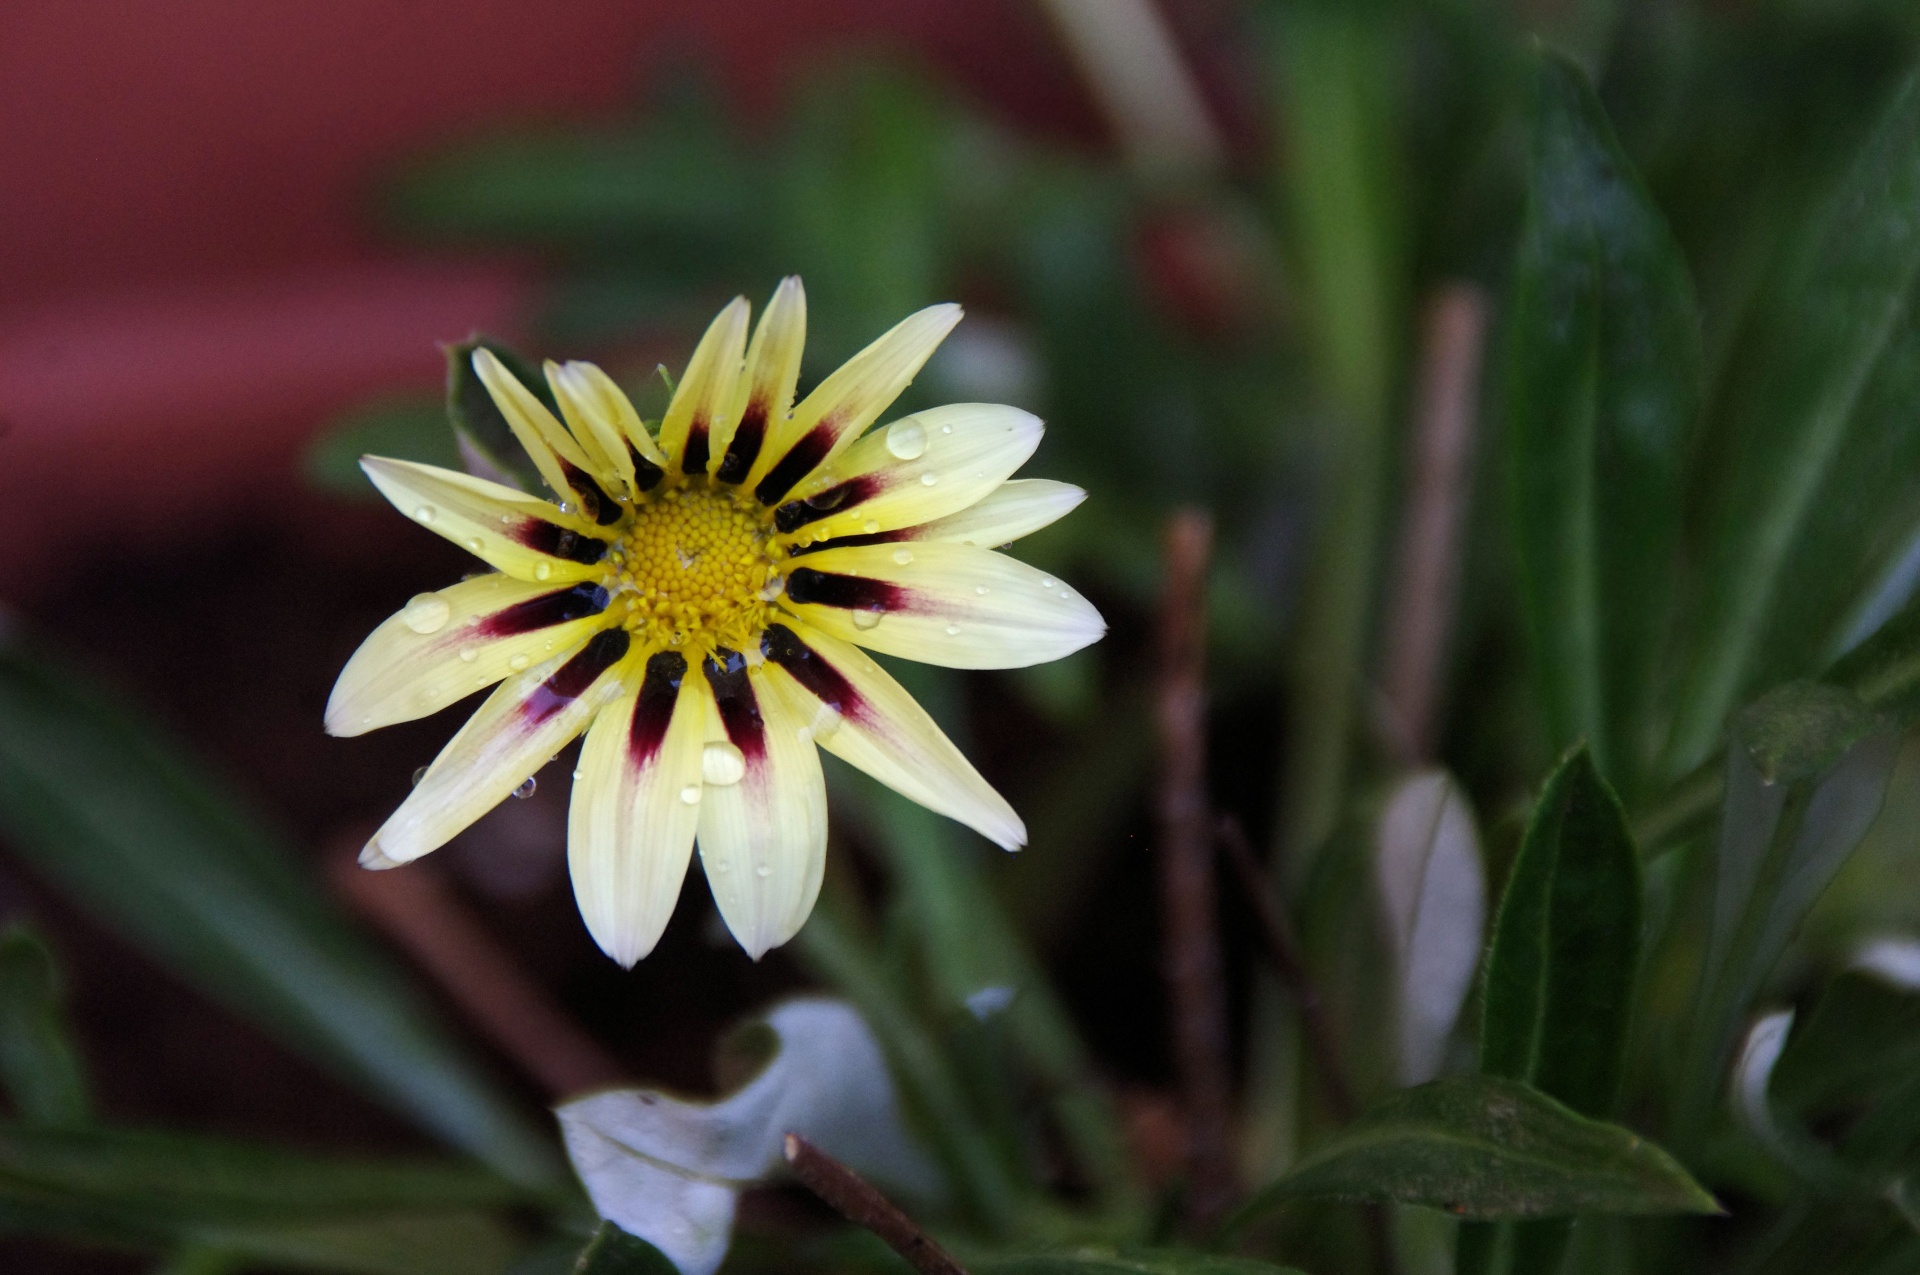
(1814, 447)
(39, 1064)
(1566, 946)
(612, 1251)
(486, 441)
(1884, 670)
(1100, 1260)
(1602, 388)
(1486, 1147)
(405, 429)
(1806, 773)
(119, 818)
(339, 1214)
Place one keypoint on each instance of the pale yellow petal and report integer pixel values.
(706, 392)
(443, 646)
(630, 826)
(596, 429)
(522, 535)
(841, 407)
(545, 439)
(600, 394)
(861, 715)
(764, 394)
(763, 835)
(514, 733)
(1014, 509)
(919, 468)
(946, 604)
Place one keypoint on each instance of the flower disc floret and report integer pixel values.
(691, 567)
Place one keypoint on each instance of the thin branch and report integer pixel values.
(1283, 949)
(413, 906)
(1189, 897)
(1420, 604)
(855, 1199)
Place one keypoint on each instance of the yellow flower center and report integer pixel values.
(691, 567)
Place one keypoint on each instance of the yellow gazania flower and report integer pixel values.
(697, 603)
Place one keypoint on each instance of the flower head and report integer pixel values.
(696, 602)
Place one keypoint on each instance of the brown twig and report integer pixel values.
(413, 906)
(1283, 949)
(855, 1199)
(1420, 603)
(1188, 894)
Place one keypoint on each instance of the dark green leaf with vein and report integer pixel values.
(39, 1063)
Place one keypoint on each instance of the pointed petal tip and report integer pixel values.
(374, 858)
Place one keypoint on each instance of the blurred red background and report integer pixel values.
(191, 281)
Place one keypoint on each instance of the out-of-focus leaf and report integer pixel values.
(339, 1214)
(486, 442)
(1486, 1147)
(972, 948)
(929, 1089)
(39, 1065)
(1602, 389)
(1862, 1037)
(1087, 1260)
(1818, 444)
(1566, 945)
(613, 1251)
(1884, 671)
(1559, 984)
(1806, 773)
(1433, 891)
(116, 816)
(406, 429)
(671, 1171)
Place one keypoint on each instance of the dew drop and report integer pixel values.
(1046, 582)
(579, 774)
(418, 775)
(763, 871)
(928, 480)
(423, 514)
(541, 570)
(519, 662)
(903, 556)
(721, 764)
(473, 543)
(526, 789)
(864, 620)
(953, 630)
(826, 721)
(980, 589)
(691, 794)
(468, 655)
(426, 613)
(907, 440)
(719, 865)
(946, 429)
(870, 526)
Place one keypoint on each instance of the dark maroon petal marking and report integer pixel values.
(659, 692)
(800, 460)
(745, 447)
(550, 538)
(549, 609)
(646, 474)
(572, 679)
(796, 514)
(597, 505)
(851, 593)
(812, 670)
(739, 708)
(849, 542)
(695, 460)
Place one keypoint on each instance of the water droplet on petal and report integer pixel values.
(864, 620)
(953, 630)
(426, 613)
(579, 774)
(468, 655)
(946, 429)
(980, 589)
(928, 480)
(907, 440)
(542, 570)
(826, 721)
(903, 556)
(526, 789)
(721, 764)
(691, 794)
(870, 526)
(423, 514)
(519, 662)
(763, 872)
(1046, 582)
(418, 775)
(473, 543)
